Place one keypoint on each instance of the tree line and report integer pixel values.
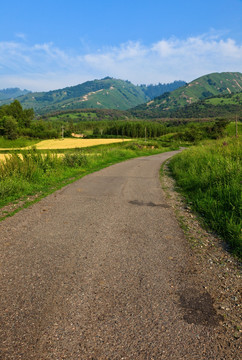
(16, 121)
(136, 129)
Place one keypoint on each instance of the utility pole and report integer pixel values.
(62, 131)
(145, 134)
(236, 126)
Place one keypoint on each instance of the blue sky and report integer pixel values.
(51, 44)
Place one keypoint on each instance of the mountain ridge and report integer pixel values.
(12, 93)
(204, 87)
(106, 93)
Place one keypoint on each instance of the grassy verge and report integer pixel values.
(209, 176)
(30, 172)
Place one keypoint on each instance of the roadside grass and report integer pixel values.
(26, 173)
(209, 175)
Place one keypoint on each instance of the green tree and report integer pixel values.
(10, 127)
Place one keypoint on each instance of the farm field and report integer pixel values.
(69, 143)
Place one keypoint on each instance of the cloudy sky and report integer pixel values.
(51, 44)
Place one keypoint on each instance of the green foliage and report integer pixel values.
(18, 143)
(76, 159)
(194, 132)
(28, 164)
(224, 105)
(231, 129)
(210, 177)
(152, 91)
(136, 129)
(14, 120)
(107, 93)
(182, 102)
(104, 93)
(9, 127)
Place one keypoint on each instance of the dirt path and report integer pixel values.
(102, 270)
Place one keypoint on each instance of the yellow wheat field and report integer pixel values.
(58, 144)
(69, 143)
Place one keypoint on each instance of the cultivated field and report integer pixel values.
(69, 143)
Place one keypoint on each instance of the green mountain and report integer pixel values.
(199, 89)
(152, 91)
(12, 93)
(107, 93)
(228, 106)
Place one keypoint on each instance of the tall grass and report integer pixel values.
(210, 177)
(231, 128)
(27, 172)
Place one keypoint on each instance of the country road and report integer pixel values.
(102, 270)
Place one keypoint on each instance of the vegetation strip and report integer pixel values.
(209, 177)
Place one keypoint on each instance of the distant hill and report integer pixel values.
(152, 91)
(107, 93)
(204, 87)
(12, 93)
(228, 105)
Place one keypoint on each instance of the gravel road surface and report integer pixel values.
(102, 270)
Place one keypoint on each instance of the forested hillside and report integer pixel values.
(107, 93)
(199, 89)
(228, 106)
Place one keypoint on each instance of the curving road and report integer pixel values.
(101, 270)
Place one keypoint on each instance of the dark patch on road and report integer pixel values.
(198, 308)
(141, 203)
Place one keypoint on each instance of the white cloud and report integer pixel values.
(21, 36)
(44, 66)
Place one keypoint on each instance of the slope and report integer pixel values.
(199, 89)
(228, 106)
(107, 93)
(89, 94)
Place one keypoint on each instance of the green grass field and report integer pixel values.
(18, 143)
(209, 176)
